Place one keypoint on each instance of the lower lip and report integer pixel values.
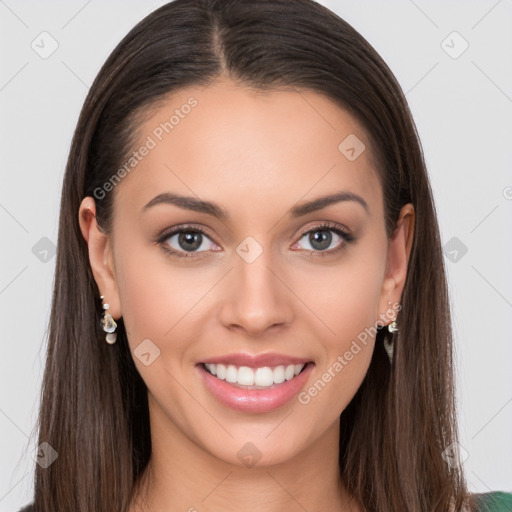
(255, 400)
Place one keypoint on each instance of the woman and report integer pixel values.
(250, 308)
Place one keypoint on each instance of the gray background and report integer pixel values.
(462, 104)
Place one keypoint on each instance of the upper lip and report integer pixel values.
(256, 361)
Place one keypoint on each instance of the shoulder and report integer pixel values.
(495, 501)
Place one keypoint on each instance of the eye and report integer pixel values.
(322, 238)
(185, 242)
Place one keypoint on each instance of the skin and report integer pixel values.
(256, 155)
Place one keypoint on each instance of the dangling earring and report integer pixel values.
(108, 324)
(389, 345)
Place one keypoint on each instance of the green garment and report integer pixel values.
(496, 501)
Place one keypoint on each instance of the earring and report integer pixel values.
(108, 324)
(392, 327)
(389, 345)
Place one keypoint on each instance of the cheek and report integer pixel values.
(139, 292)
(348, 348)
(343, 297)
(159, 300)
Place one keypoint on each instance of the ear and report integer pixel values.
(399, 251)
(100, 256)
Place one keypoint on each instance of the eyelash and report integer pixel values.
(326, 226)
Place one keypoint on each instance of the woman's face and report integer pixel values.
(266, 286)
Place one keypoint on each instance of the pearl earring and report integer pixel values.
(108, 324)
(389, 345)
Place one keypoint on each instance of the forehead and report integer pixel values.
(227, 142)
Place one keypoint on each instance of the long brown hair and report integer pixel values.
(94, 409)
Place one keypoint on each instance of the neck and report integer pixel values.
(183, 476)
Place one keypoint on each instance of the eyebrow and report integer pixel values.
(210, 208)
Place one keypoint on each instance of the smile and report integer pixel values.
(255, 383)
(254, 378)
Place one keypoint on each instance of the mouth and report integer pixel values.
(245, 377)
(255, 383)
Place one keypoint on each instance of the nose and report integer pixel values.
(255, 297)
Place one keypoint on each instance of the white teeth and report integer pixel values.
(279, 375)
(259, 377)
(221, 371)
(289, 372)
(245, 376)
(231, 374)
(264, 377)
